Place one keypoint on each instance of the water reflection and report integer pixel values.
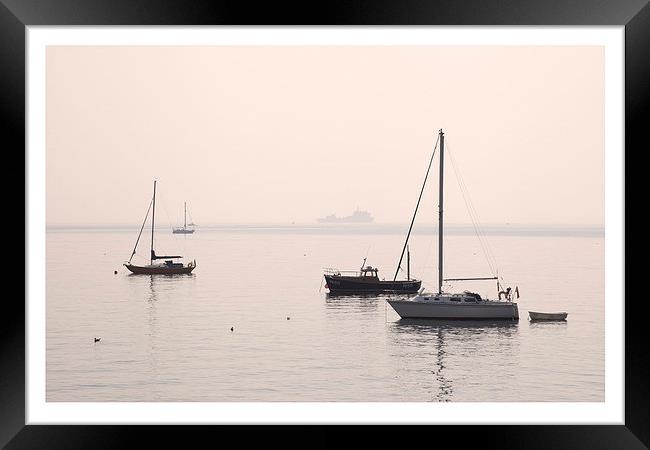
(448, 336)
(366, 295)
(424, 325)
(151, 300)
(445, 390)
(152, 291)
(331, 295)
(547, 324)
(360, 302)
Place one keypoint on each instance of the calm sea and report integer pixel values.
(170, 339)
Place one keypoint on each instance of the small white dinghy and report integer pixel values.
(547, 316)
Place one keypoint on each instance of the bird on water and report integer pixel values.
(97, 339)
(232, 328)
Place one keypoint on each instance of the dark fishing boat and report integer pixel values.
(366, 281)
(168, 267)
(184, 229)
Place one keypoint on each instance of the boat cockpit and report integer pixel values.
(170, 263)
(369, 271)
(465, 297)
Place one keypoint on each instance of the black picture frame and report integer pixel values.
(15, 15)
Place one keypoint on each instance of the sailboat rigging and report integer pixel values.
(169, 267)
(366, 279)
(442, 305)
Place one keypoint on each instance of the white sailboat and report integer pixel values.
(444, 305)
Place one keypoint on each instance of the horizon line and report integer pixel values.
(334, 225)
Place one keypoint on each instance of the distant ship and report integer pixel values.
(357, 216)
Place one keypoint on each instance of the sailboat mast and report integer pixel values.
(153, 219)
(408, 264)
(185, 216)
(440, 200)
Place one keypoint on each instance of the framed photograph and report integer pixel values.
(399, 215)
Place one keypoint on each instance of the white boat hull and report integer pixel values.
(410, 309)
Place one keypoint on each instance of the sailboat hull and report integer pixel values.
(409, 309)
(182, 231)
(369, 285)
(159, 270)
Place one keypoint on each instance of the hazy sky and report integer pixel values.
(289, 134)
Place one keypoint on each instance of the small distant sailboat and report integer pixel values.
(184, 229)
(443, 305)
(169, 267)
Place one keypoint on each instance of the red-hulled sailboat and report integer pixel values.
(168, 267)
